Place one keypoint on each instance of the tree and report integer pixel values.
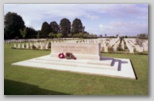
(31, 32)
(38, 34)
(105, 35)
(12, 24)
(117, 35)
(65, 26)
(85, 35)
(59, 35)
(55, 27)
(23, 32)
(70, 35)
(142, 35)
(93, 35)
(45, 30)
(51, 35)
(75, 35)
(80, 35)
(100, 36)
(77, 26)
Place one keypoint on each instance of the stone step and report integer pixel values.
(81, 66)
(96, 62)
(76, 63)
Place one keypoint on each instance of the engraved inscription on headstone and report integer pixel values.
(81, 51)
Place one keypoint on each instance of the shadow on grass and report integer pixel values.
(134, 70)
(18, 88)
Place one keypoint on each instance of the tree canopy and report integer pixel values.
(65, 27)
(12, 25)
(77, 26)
(23, 32)
(45, 30)
(31, 32)
(55, 27)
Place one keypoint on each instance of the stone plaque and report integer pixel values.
(79, 50)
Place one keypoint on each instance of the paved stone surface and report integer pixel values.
(94, 67)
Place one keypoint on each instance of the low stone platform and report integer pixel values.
(107, 67)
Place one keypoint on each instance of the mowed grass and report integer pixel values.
(20, 80)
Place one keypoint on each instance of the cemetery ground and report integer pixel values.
(20, 80)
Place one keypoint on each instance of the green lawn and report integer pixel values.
(34, 81)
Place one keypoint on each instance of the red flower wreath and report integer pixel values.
(70, 56)
(61, 55)
(67, 56)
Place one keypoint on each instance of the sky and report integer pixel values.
(110, 19)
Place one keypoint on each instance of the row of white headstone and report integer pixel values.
(106, 43)
(131, 44)
(23, 40)
(110, 43)
(36, 45)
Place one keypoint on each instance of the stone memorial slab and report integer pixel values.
(79, 50)
(93, 67)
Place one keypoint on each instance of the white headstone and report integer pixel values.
(46, 46)
(41, 46)
(23, 46)
(131, 50)
(115, 48)
(140, 49)
(105, 49)
(18, 45)
(14, 46)
(27, 45)
(145, 48)
(122, 45)
(31, 46)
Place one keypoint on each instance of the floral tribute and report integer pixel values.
(61, 55)
(68, 55)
